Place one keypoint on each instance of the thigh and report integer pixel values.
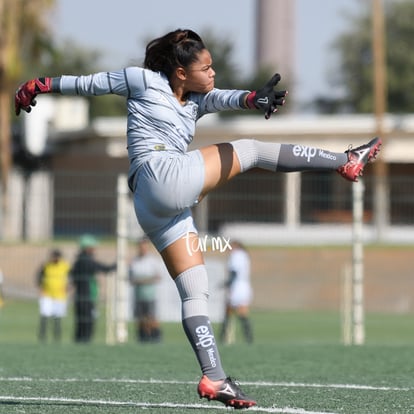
(182, 254)
(59, 308)
(240, 295)
(165, 230)
(221, 164)
(243, 310)
(165, 190)
(46, 306)
(169, 183)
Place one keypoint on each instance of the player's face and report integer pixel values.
(200, 74)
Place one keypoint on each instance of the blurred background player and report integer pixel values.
(52, 280)
(83, 277)
(239, 293)
(144, 275)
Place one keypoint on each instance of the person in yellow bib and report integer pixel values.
(53, 283)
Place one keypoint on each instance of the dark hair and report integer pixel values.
(239, 244)
(56, 254)
(175, 49)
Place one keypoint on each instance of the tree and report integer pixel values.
(69, 58)
(355, 68)
(23, 31)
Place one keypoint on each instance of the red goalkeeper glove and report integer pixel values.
(26, 94)
(266, 98)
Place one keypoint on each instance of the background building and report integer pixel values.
(275, 36)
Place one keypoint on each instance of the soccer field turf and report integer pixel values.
(296, 365)
(162, 378)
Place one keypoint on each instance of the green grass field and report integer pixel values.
(297, 365)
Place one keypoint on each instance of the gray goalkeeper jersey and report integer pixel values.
(156, 120)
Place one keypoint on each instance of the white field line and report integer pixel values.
(174, 382)
(110, 403)
(273, 409)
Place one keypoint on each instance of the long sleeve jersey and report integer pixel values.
(156, 120)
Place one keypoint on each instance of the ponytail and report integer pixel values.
(175, 49)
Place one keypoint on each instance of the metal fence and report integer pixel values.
(48, 206)
(78, 203)
(88, 202)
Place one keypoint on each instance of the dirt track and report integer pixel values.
(283, 278)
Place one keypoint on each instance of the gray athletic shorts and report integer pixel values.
(166, 186)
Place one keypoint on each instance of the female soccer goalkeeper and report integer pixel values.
(165, 99)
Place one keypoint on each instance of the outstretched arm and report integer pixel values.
(102, 267)
(123, 82)
(266, 99)
(26, 94)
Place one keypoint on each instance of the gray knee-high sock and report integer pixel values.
(192, 286)
(285, 157)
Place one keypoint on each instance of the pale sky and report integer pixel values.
(122, 30)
